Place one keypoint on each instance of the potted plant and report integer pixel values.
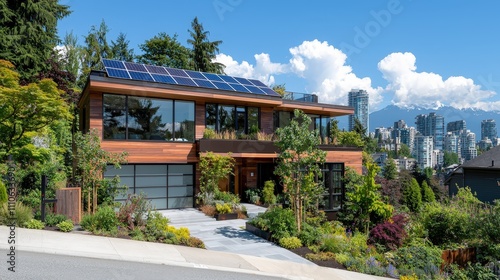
(224, 211)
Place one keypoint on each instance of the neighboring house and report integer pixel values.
(158, 115)
(481, 174)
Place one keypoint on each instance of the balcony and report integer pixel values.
(304, 97)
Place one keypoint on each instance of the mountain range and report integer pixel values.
(473, 117)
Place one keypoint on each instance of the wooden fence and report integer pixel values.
(459, 256)
(69, 203)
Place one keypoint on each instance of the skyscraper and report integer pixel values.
(488, 129)
(423, 151)
(358, 99)
(431, 125)
(456, 127)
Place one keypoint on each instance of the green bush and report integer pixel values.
(65, 226)
(422, 260)
(334, 244)
(446, 224)
(3, 193)
(156, 226)
(195, 242)
(490, 223)
(53, 219)
(268, 196)
(253, 196)
(134, 211)
(471, 271)
(34, 224)
(89, 222)
(278, 221)
(309, 235)
(223, 208)
(427, 193)
(22, 214)
(413, 195)
(32, 198)
(227, 197)
(106, 219)
(290, 242)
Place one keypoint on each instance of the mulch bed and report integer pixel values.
(302, 251)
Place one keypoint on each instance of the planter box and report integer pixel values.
(257, 231)
(226, 216)
(459, 256)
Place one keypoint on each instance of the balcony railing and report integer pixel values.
(305, 97)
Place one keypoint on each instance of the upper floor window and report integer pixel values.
(141, 118)
(241, 119)
(321, 123)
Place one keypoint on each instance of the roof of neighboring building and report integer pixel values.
(487, 160)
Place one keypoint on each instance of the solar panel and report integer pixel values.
(113, 64)
(177, 72)
(118, 73)
(204, 83)
(184, 81)
(257, 83)
(243, 81)
(156, 69)
(228, 79)
(143, 76)
(173, 76)
(135, 67)
(163, 79)
(194, 74)
(213, 77)
(239, 88)
(254, 89)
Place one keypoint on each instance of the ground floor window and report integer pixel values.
(334, 187)
(167, 186)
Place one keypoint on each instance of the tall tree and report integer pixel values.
(163, 50)
(203, 51)
(28, 34)
(70, 55)
(25, 109)
(334, 131)
(96, 47)
(390, 171)
(120, 49)
(299, 157)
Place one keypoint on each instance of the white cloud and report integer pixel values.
(264, 70)
(322, 66)
(325, 68)
(412, 88)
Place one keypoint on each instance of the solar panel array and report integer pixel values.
(173, 76)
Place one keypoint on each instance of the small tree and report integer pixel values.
(427, 193)
(413, 195)
(299, 156)
(268, 196)
(92, 162)
(334, 131)
(390, 171)
(213, 168)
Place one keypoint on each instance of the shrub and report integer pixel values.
(422, 260)
(34, 224)
(53, 219)
(181, 234)
(133, 212)
(290, 242)
(208, 210)
(156, 225)
(227, 197)
(89, 222)
(334, 244)
(278, 221)
(22, 214)
(309, 235)
(65, 226)
(32, 199)
(413, 195)
(3, 193)
(195, 242)
(253, 196)
(321, 256)
(103, 220)
(490, 223)
(223, 208)
(427, 193)
(137, 234)
(389, 234)
(446, 224)
(471, 271)
(268, 196)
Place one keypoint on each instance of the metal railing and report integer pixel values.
(305, 97)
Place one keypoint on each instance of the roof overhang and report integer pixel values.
(316, 108)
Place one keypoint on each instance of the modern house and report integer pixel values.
(159, 115)
(481, 175)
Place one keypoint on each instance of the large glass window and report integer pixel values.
(141, 118)
(321, 123)
(241, 119)
(334, 187)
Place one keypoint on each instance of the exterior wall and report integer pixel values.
(352, 159)
(266, 120)
(199, 120)
(484, 183)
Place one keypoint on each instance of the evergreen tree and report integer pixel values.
(203, 51)
(413, 195)
(334, 131)
(390, 171)
(120, 49)
(163, 50)
(28, 34)
(70, 56)
(427, 193)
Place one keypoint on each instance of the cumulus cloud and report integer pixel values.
(322, 66)
(430, 90)
(264, 70)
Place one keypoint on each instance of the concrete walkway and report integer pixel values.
(230, 236)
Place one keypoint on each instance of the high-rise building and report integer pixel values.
(452, 143)
(456, 127)
(488, 129)
(468, 145)
(424, 151)
(358, 99)
(431, 125)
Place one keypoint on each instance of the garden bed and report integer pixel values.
(226, 216)
(303, 251)
(257, 231)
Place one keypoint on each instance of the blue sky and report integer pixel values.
(404, 52)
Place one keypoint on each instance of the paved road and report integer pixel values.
(31, 265)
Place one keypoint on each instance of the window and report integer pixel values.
(241, 119)
(321, 123)
(334, 187)
(141, 118)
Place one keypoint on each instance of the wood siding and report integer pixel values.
(153, 152)
(266, 120)
(351, 159)
(199, 120)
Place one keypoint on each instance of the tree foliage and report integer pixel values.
(350, 138)
(203, 51)
(450, 158)
(25, 109)
(299, 162)
(427, 193)
(163, 50)
(413, 195)
(92, 162)
(214, 168)
(280, 89)
(390, 171)
(28, 34)
(334, 131)
(120, 49)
